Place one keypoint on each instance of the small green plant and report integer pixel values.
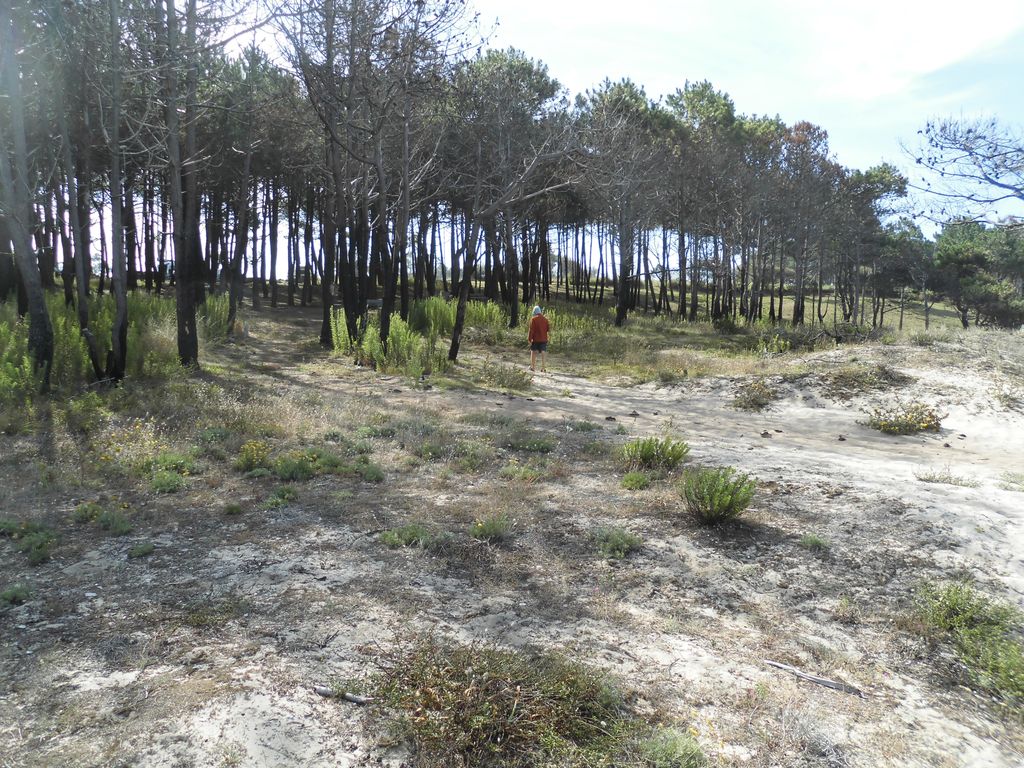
(945, 476)
(493, 528)
(34, 540)
(1012, 481)
(370, 472)
(144, 549)
(165, 481)
(114, 522)
(86, 413)
(522, 473)
(210, 435)
(654, 453)
(616, 543)
(581, 425)
(254, 454)
(86, 512)
(280, 497)
(672, 748)
(411, 535)
(754, 396)
(985, 634)
(232, 508)
(16, 594)
(501, 376)
(905, 419)
(529, 441)
(815, 543)
(483, 706)
(718, 494)
(636, 481)
(174, 461)
(294, 466)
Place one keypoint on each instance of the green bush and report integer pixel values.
(529, 441)
(814, 543)
(370, 472)
(652, 453)
(114, 522)
(16, 594)
(295, 466)
(254, 454)
(411, 535)
(636, 481)
(715, 495)
(483, 706)
(232, 508)
(754, 396)
(493, 528)
(503, 376)
(34, 540)
(86, 413)
(905, 419)
(280, 497)
(986, 635)
(616, 543)
(86, 512)
(672, 748)
(165, 481)
(143, 549)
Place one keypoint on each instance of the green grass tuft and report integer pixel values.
(411, 535)
(165, 481)
(115, 523)
(16, 594)
(616, 543)
(652, 453)
(636, 481)
(493, 528)
(143, 549)
(815, 543)
(672, 748)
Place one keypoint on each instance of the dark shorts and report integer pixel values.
(539, 346)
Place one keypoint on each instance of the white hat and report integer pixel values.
(536, 310)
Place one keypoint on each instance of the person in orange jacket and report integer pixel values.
(538, 337)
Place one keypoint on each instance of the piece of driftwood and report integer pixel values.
(330, 693)
(815, 679)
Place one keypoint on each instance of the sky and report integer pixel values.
(869, 72)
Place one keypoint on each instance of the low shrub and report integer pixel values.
(480, 705)
(175, 461)
(232, 508)
(165, 481)
(280, 497)
(115, 523)
(523, 473)
(754, 396)
(254, 454)
(295, 466)
(411, 535)
(986, 635)
(672, 748)
(143, 549)
(34, 540)
(636, 481)
(905, 419)
(616, 543)
(716, 495)
(493, 528)
(815, 543)
(502, 376)
(16, 594)
(86, 413)
(370, 472)
(652, 453)
(529, 441)
(86, 512)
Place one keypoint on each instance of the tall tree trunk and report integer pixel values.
(17, 203)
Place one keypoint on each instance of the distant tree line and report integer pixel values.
(396, 160)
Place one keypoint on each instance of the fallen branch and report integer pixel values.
(330, 693)
(815, 679)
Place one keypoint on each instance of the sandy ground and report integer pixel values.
(206, 653)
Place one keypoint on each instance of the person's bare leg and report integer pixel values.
(542, 367)
(533, 360)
